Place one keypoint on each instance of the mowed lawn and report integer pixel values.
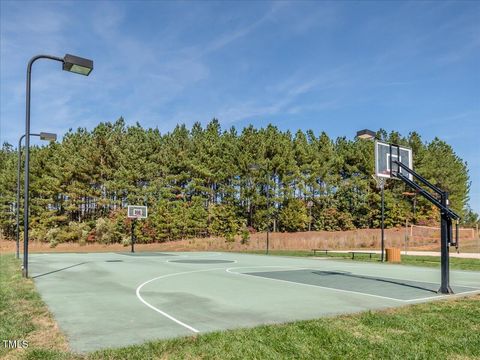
(436, 330)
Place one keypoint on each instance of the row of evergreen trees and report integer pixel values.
(209, 181)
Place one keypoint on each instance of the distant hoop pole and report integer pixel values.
(381, 185)
(133, 235)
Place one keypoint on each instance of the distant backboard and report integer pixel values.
(385, 157)
(137, 212)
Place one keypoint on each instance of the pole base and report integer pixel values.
(445, 290)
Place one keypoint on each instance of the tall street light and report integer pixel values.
(43, 136)
(70, 63)
(257, 167)
(310, 205)
(366, 134)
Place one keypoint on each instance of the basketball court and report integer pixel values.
(103, 300)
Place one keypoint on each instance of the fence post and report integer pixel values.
(406, 236)
(478, 238)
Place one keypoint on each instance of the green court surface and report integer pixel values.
(103, 300)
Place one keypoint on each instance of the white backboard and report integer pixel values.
(386, 154)
(137, 212)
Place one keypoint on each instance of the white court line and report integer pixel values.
(300, 267)
(356, 267)
(206, 254)
(360, 264)
(356, 292)
(162, 312)
(309, 285)
(297, 267)
(403, 279)
(445, 296)
(353, 266)
(177, 261)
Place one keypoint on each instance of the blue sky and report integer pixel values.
(328, 66)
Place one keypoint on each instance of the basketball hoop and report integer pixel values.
(136, 212)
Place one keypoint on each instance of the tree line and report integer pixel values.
(208, 181)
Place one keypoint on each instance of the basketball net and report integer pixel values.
(380, 181)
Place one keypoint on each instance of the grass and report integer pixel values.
(23, 314)
(436, 330)
(429, 261)
(447, 329)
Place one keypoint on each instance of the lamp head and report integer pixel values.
(77, 65)
(366, 134)
(48, 136)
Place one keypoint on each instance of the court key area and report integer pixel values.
(103, 300)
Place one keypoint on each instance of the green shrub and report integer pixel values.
(53, 236)
(36, 234)
(79, 232)
(106, 231)
(333, 220)
(126, 240)
(294, 216)
(245, 235)
(229, 237)
(223, 222)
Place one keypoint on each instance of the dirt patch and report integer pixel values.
(333, 240)
(47, 334)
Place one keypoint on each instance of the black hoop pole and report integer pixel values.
(382, 257)
(446, 216)
(445, 232)
(133, 235)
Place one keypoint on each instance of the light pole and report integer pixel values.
(43, 136)
(366, 134)
(70, 63)
(309, 205)
(268, 211)
(413, 195)
(256, 167)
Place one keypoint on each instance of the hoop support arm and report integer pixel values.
(428, 196)
(419, 177)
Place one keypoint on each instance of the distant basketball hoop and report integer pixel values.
(135, 212)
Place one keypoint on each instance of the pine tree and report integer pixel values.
(209, 181)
